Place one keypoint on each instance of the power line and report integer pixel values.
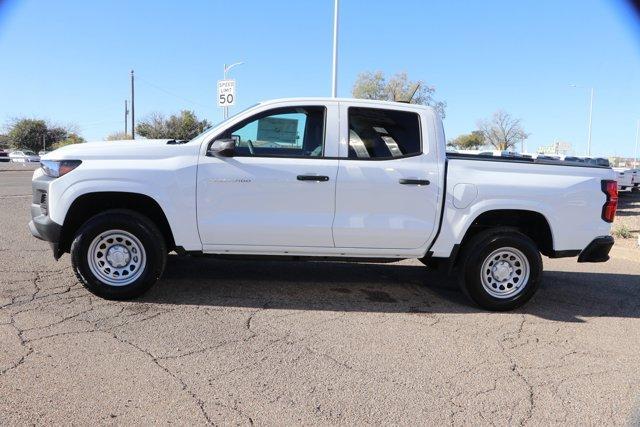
(161, 89)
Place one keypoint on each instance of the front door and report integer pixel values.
(278, 189)
(387, 191)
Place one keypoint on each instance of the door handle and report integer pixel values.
(411, 181)
(318, 178)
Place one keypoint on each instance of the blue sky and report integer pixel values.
(69, 61)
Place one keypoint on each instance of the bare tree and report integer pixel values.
(370, 85)
(502, 131)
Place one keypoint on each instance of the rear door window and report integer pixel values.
(383, 134)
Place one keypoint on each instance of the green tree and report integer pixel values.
(72, 138)
(118, 136)
(34, 134)
(374, 85)
(502, 131)
(182, 126)
(469, 141)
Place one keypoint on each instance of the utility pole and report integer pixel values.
(133, 109)
(334, 80)
(126, 116)
(44, 143)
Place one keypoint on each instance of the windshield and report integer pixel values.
(29, 153)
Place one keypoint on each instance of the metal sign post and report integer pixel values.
(227, 90)
(226, 95)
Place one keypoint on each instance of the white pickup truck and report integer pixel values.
(308, 178)
(625, 178)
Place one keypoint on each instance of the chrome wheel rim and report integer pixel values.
(116, 257)
(505, 273)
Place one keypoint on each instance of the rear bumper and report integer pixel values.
(597, 250)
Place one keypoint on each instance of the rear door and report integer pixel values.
(387, 190)
(279, 187)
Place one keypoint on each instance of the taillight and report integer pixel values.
(610, 188)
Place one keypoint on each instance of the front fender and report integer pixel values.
(174, 194)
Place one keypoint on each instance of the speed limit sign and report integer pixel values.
(226, 93)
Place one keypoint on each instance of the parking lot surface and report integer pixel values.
(249, 342)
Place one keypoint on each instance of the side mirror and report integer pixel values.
(222, 148)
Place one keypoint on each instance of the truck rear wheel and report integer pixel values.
(501, 269)
(118, 254)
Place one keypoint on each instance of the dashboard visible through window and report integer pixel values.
(286, 132)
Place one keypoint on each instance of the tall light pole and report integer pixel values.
(334, 80)
(590, 118)
(133, 109)
(224, 77)
(635, 153)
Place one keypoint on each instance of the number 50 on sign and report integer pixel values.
(226, 93)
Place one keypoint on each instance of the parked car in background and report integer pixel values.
(43, 152)
(598, 161)
(625, 178)
(574, 159)
(316, 178)
(4, 156)
(24, 156)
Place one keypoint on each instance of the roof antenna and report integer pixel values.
(408, 101)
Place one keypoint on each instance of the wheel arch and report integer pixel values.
(87, 205)
(531, 223)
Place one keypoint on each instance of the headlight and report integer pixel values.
(57, 168)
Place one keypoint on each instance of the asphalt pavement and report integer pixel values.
(249, 342)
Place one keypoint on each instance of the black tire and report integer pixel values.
(478, 249)
(131, 222)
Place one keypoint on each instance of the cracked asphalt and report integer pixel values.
(247, 342)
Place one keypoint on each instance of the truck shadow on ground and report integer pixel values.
(628, 203)
(387, 288)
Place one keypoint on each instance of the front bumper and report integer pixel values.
(597, 250)
(41, 226)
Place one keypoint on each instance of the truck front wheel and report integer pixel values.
(118, 254)
(501, 269)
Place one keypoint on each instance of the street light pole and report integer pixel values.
(334, 80)
(133, 109)
(224, 77)
(590, 117)
(635, 153)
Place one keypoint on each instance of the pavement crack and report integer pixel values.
(199, 402)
